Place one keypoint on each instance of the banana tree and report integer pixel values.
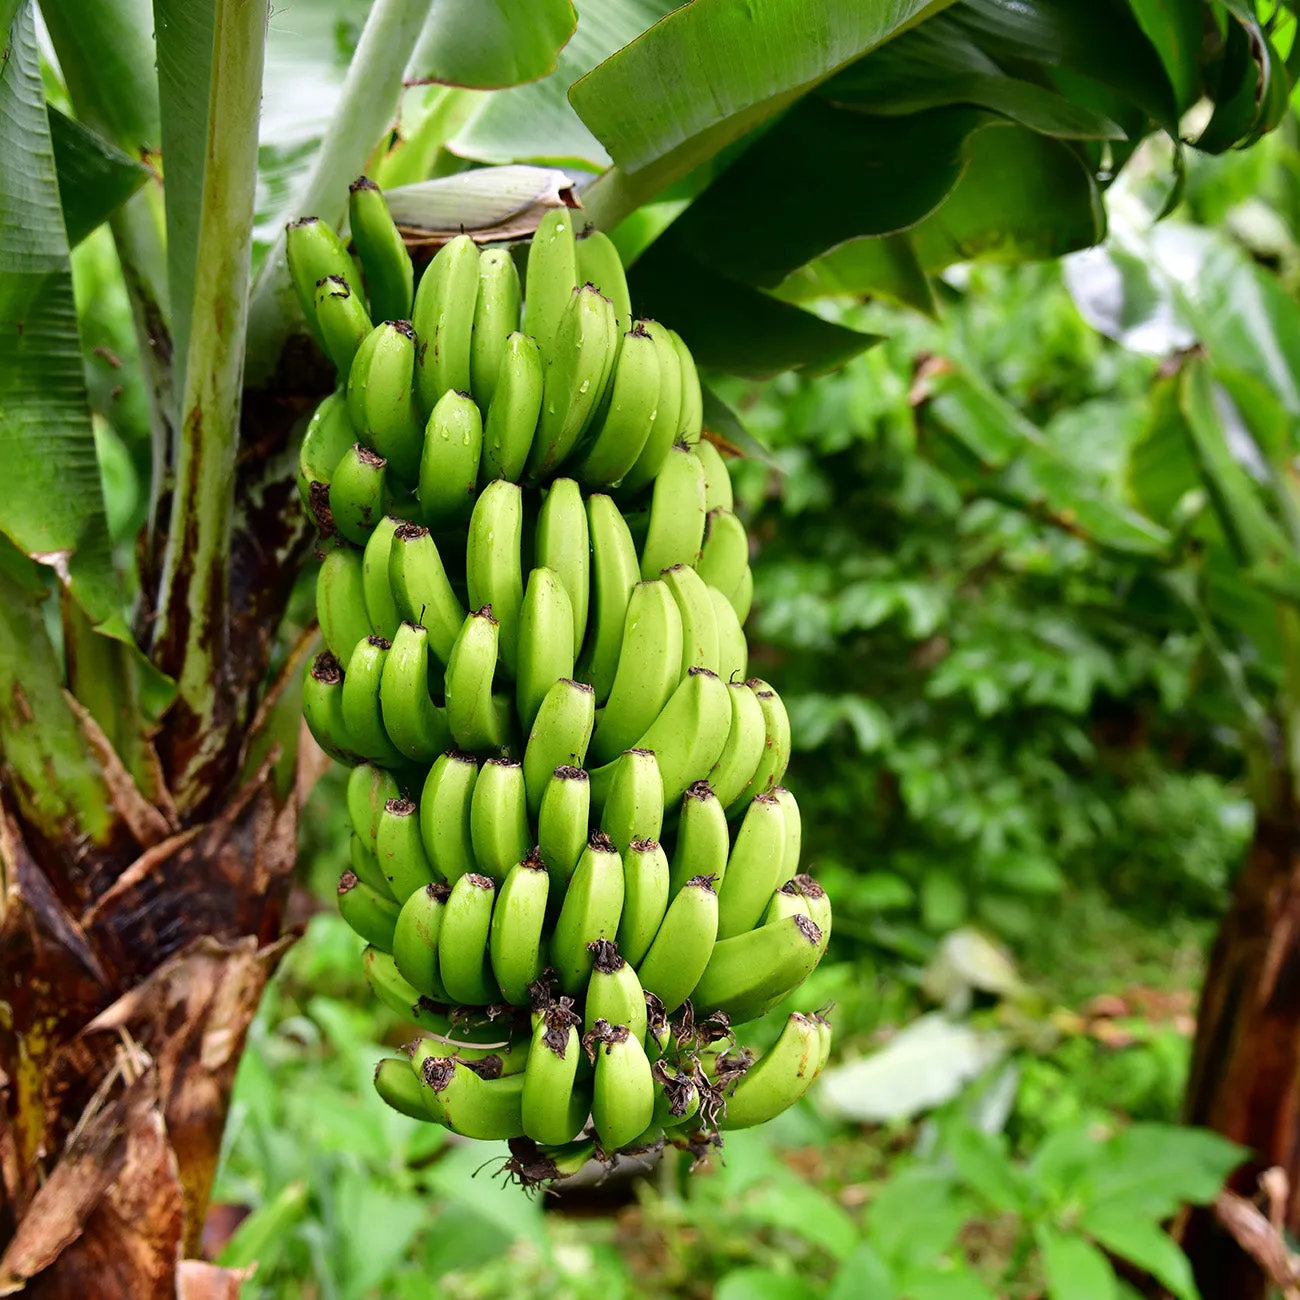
(151, 779)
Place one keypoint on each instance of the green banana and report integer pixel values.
(397, 994)
(472, 713)
(578, 366)
(445, 804)
(743, 599)
(496, 317)
(381, 397)
(390, 278)
(615, 572)
(645, 898)
(676, 528)
(453, 443)
(819, 905)
(313, 252)
(551, 277)
(562, 545)
(423, 593)
(724, 555)
(690, 733)
(559, 737)
(627, 420)
(415, 724)
(793, 832)
(746, 743)
(690, 419)
(555, 1105)
(699, 619)
(786, 901)
(562, 821)
(362, 712)
(749, 973)
(367, 911)
(826, 1037)
(381, 608)
(463, 961)
(623, 1093)
(516, 407)
(322, 709)
(515, 943)
(778, 1078)
(668, 417)
(459, 1098)
(341, 601)
(400, 849)
(703, 838)
(365, 866)
(546, 648)
(328, 435)
(358, 493)
(600, 266)
(631, 803)
(498, 818)
(397, 1085)
(342, 320)
(415, 940)
(592, 905)
(684, 944)
(614, 993)
(492, 562)
(717, 480)
(754, 867)
(775, 757)
(647, 670)
(733, 649)
(443, 317)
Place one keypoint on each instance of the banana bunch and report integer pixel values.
(572, 860)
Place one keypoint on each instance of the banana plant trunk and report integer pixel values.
(1245, 1076)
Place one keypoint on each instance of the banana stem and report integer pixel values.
(365, 109)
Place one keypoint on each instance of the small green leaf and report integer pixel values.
(916, 1217)
(1141, 1242)
(266, 1228)
(981, 1160)
(1075, 1268)
(95, 177)
(886, 267)
(863, 1276)
(755, 1283)
(486, 44)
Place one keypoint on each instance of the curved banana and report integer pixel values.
(562, 545)
(313, 252)
(551, 277)
(746, 742)
(690, 419)
(749, 973)
(511, 420)
(390, 278)
(733, 649)
(614, 993)
(724, 555)
(397, 994)
(819, 905)
(453, 443)
(367, 911)
(703, 838)
(623, 1092)
(463, 961)
(546, 649)
(562, 822)
(341, 601)
(631, 804)
(415, 940)
(827, 1037)
(381, 608)
(786, 901)
(718, 494)
(396, 1084)
(559, 737)
(743, 600)
(343, 321)
(515, 943)
(322, 709)
(778, 1078)
(600, 266)
(472, 713)
(615, 571)
(627, 421)
(328, 435)
(498, 818)
(699, 619)
(492, 562)
(445, 804)
(690, 733)
(358, 493)
(754, 867)
(645, 898)
(647, 670)
(684, 944)
(400, 849)
(775, 757)
(555, 1104)
(443, 317)
(668, 418)
(496, 317)
(459, 1098)
(365, 865)
(578, 367)
(592, 906)
(676, 528)
(793, 832)
(415, 724)
(381, 397)
(422, 590)
(362, 712)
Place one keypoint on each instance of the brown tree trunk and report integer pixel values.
(1245, 1078)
